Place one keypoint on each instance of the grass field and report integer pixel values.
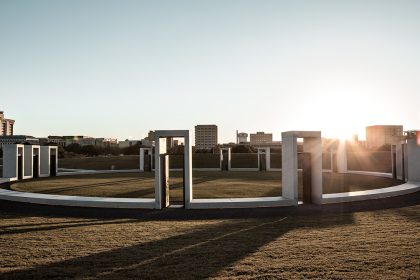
(375, 244)
(205, 184)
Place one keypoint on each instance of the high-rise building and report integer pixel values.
(6, 125)
(379, 135)
(205, 137)
(261, 139)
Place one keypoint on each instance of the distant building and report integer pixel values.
(205, 137)
(261, 139)
(59, 140)
(72, 139)
(106, 142)
(6, 125)
(379, 135)
(83, 141)
(18, 139)
(242, 138)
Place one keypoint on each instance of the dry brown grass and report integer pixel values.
(205, 184)
(381, 244)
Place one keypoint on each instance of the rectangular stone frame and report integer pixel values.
(251, 202)
(142, 157)
(28, 161)
(400, 160)
(10, 161)
(267, 152)
(312, 144)
(160, 148)
(45, 153)
(413, 160)
(229, 157)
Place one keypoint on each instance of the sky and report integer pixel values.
(121, 68)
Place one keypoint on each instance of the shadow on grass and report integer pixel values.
(78, 187)
(199, 254)
(52, 226)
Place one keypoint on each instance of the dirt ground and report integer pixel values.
(379, 240)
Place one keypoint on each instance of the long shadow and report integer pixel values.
(59, 226)
(195, 182)
(199, 254)
(45, 224)
(141, 193)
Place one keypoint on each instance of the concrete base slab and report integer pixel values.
(406, 188)
(369, 173)
(79, 201)
(88, 172)
(215, 203)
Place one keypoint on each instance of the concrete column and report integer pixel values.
(289, 167)
(188, 171)
(228, 155)
(399, 151)
(266, 151)
(142, 159)
(229, 159)
(160, 148)
(314, 147)
(10, 160)
(28, 162)
(413, 160)
(342, 157)
(45, 161)
(221, 159)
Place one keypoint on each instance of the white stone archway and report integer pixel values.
(312, 144)
(266, 151)
(150, 152)
(13, 161)
(49, 161)
(160, 148)
(228, 159)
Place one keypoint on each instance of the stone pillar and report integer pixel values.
(11, 153)
(28, 162)
(314, 147)
(342, 157)
(160, 148)
(188, 191)
(413, 160)
(289, 167)
(142, 158)
(400, 161)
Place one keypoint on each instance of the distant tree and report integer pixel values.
(74, 148)
(243, 149)
(89, 150)
(176, 150)
(202, 151)
(133, 150)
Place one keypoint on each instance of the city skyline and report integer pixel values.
(120, 69)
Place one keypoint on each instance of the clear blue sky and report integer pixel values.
(120, 68)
